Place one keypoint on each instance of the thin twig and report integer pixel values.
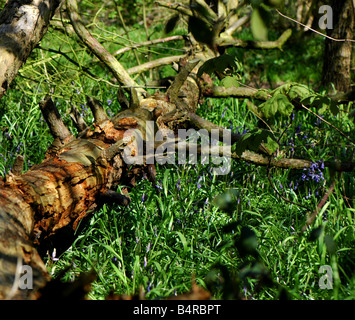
(110, 61)
(149, 43)
(315, 31)
(154, 64)
(319, 206)
(328, 123)
(127, 33)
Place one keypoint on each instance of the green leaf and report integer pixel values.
(278, 103)
(247, 242)
(299, 92)
(200, 30)
(256, 3)
(229, 82)
(321, 103)
(271, 145)
(315, 233)
(171, 24)
(330, 244)
(200, 10)
(258, 24)
(262, 94)
(252, 141)
(183, 241)
(227, 201)
(275, 3)
(222, 64)
(294, 91)
(333, 107)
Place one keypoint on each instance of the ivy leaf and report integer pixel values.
(258, 24)
(171, 24)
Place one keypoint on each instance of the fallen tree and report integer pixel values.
(42, 207)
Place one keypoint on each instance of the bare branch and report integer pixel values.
(154, 64)
(147, 43)
(237, 92)
(97, 110)
(79, 122)
(54, 120)
(230, 30)
(315, 31)
(108, 59)
(232, 42)
(174, 89)
(319, 206)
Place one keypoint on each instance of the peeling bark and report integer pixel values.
(57, 194)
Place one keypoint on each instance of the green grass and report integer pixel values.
(162, 240)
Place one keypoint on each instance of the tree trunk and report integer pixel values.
(337, 54)
(22, 26)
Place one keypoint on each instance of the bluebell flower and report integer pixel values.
(178, 187)
(224, 112)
